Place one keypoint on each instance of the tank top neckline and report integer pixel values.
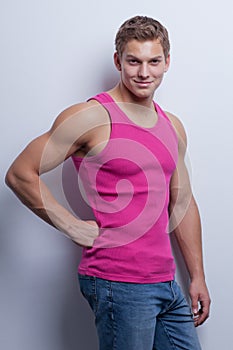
(109, 99)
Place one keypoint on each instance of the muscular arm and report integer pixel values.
(69, 132)
(186, 224)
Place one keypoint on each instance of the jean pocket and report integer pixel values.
(88, 289)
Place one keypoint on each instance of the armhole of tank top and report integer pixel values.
(104, 99)
(161, 112)
(163, 115)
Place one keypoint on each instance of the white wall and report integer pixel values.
(56, 53)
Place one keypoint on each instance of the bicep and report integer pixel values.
(40, 155)
(48, 150)
(180, 186)
(180, 194)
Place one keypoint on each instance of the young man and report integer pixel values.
(130, 158)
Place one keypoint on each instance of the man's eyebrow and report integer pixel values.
(135, 57)
(156, 57)
(131, 56)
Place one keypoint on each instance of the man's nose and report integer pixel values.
(143, 70)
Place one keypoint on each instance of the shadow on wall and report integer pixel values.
(72, 192)
(41, 306)
(110, 80)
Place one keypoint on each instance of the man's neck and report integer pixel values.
(121, 94)
(143, 114)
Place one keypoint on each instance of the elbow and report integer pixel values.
(24, 184)
(181, 198)
(16, 179)
(11, 179)
(20, 174)
(179, 205)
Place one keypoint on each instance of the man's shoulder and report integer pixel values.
(79, 108)
(88, 112)
(173, 118)
(177, 124)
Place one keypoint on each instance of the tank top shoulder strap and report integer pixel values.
(109, 104)
(161, 112)
(103, 98)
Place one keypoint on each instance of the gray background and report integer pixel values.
(57, 53)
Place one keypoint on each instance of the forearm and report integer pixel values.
(33, 193)
(187, 229)
(188, 235)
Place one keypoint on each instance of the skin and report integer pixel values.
(84, 128)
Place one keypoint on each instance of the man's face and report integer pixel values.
(142, 66)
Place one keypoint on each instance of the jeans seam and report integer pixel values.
(94, 290)
(110, 297)
(168, 335)
(173, 296)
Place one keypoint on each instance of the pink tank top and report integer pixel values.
(127, 187)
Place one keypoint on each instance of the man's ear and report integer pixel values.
(117, 61)
(167, 63)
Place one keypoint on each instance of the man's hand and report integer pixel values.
(200, 301)
(87, 232)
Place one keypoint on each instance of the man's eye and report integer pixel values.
(133, 61)
(155, 62)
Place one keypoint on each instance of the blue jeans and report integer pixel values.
(131, 316)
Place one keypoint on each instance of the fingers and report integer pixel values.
(86, 234)
(92, 223)
(200, 302)
(195, 305)
(201, 309)
(203, 313)
(196, 310)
